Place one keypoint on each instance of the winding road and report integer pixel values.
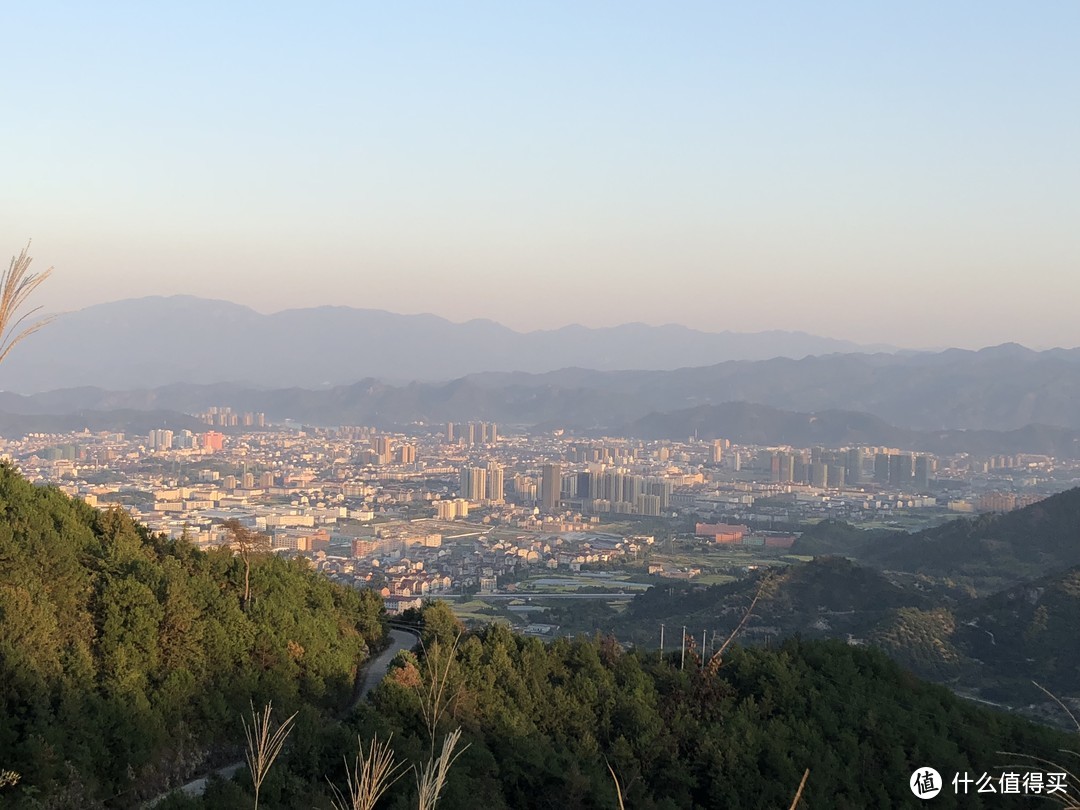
(368, 678)
(375, 671)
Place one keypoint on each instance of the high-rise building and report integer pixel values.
(584, 486)
(881, 468)
(494, 487)
(782, 468)
(160, 440)
(837, 475)
(923, 465)
(550, 486)
(474, 483)
(853, 468)
(449, 432)
(716, 451)
(213, 441)
(525, 489)
(647, 505)
(901, 470)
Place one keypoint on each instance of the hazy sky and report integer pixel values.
(883, 172)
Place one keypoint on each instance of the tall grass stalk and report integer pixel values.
(434, 693)
(263, 745)
(370, 777)
(1071, 802)
(798, 793)
(431, 780)
(618, 787)
(16, 285)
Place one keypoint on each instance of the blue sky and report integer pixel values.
(883, 172)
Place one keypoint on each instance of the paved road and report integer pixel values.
(372, 674)
(614, 596)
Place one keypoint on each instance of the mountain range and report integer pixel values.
(742, 422)
(747, 423)
(1001, 399)
(162, 340)
(174, 356)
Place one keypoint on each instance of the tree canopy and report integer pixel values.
(127, 659)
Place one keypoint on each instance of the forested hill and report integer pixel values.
(543, 724)
(990, 551)
(827, 598)
(126, 659)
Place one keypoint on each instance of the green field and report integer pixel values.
(571, 582)
(714, 579)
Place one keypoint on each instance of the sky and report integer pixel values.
(903, 173)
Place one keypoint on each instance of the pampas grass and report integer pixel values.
(371, 776)
(432, 778)
(16, 285)
(263, 746)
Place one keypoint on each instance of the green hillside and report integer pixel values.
(993, 646)
(544, 721)
(828, 597)
(989, 552)
(127, 659)
(1027, 632)
(838, 537)
(997, 645)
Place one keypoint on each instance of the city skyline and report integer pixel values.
(903, 175)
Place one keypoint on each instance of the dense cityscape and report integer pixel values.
(469, 507)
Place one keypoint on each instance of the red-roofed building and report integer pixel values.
(721, 532)
(214, 441)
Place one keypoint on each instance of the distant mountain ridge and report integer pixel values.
(155, 341)
(123, 420)
(914, 400)
(997, 388)
(387, 407)
(992, 389)
(748, 423)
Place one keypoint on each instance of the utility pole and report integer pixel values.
(702, 648)
(682, 660)
(661, 640)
